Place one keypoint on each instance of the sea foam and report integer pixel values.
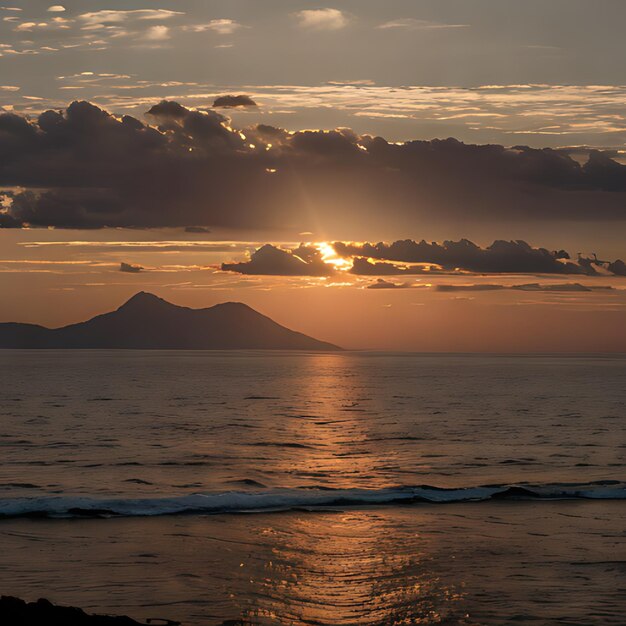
(289, 499)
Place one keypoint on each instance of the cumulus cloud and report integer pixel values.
(322, 19)
(87, 168)
(232, 101)
(272, 261)
(56, 8)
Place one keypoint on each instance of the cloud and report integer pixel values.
(272, 261)
(221, 27)
(30, 26)
(322, 19)
(362, 266)
(157, 33)
(414, 24)
(87, 168)
(421, 258)
(573, 287)
(197, 229)
(232, 101)
(618, 267)
(533, 287)
(501, 257)
(116, 17)
(56, 8)
(130, 268)
(381, 283)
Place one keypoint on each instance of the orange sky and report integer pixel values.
(59, 284)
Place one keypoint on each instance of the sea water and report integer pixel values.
(300, 488)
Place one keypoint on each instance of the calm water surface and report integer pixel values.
(359, 444)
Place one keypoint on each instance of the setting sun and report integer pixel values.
(330, 256)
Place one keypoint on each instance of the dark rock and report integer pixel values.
(16, 612)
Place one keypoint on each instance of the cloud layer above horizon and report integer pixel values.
(410, 257)
(87, 168)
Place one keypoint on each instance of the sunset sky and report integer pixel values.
(272, 152)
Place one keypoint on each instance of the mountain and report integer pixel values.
(148, 322)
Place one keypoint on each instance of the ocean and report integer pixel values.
(316, 488)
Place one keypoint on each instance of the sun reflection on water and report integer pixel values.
(345, 569)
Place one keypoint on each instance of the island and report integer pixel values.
(147, 322)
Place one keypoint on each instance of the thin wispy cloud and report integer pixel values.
(116, 17)
(221, 27)
(410, 23)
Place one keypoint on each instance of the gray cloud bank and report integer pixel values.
(86, 168)
(509, 257)
(560, 287)
(410, 257)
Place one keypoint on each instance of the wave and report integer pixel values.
(290, 499)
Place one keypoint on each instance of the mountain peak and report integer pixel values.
(143, 298)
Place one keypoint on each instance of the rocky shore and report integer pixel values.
(16, 612)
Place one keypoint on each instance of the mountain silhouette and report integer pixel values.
(148, 322)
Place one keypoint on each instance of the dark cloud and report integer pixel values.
(197, 230)
(231, 101)
(7, 221)
(501, 257)
(129, 268)
(272, 261)
(366, 267)
(618, 268)
(560, 287)
(381, 283)
(573, 287)
(408, 257)
(86, 168)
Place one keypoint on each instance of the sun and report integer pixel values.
(331, 257)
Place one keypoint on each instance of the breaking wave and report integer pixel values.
(290, 499)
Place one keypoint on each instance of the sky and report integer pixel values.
(273, 151)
